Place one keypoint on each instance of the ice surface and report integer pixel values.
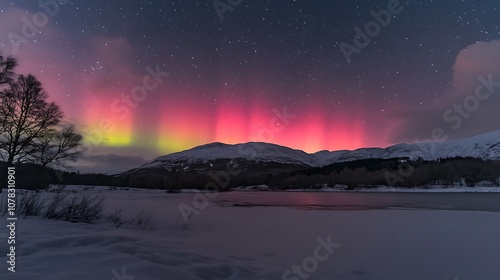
(257, 243)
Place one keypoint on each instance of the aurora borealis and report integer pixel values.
(227, 79)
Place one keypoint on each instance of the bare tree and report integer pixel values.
(57, 146)
(7, 65)
(26, 117)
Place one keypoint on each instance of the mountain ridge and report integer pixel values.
(485, 146)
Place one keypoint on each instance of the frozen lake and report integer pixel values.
(362, 201)
(271, 236)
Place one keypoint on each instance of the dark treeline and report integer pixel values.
(355, 174)
(399, 173)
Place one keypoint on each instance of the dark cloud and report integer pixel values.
(461, 111)
(109, 164)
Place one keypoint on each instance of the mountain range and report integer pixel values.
(485, 146)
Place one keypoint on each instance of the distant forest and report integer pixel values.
(356, 174)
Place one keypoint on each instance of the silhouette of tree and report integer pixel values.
(57, 146)
(29, 124)
(7, 65)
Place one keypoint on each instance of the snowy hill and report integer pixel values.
(485, 146)
(256, 152)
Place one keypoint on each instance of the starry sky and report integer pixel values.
(142, 79)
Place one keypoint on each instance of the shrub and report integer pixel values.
(31, 204)
(82, 208)
(117, 218)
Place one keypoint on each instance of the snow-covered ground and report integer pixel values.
(255, 243)
(428, 189)
(485, 187)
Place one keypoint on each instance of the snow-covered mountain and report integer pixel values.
(253, 151)
(486, 146)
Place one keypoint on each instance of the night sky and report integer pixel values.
(230, 73)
